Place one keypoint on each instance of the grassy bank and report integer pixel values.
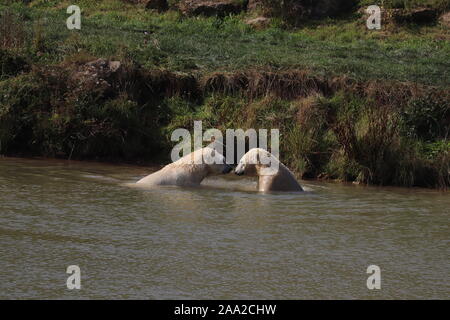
(351, 104)
(112, 29)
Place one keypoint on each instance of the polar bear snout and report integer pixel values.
(239, 170)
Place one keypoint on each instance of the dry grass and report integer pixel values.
(12, 32)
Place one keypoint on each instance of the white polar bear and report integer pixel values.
(189, 170)
(272, 174)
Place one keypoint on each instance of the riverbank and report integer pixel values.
(354, 105)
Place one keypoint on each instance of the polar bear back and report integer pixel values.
(190, 170)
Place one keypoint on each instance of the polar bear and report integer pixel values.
(272, 174)
(189, 170)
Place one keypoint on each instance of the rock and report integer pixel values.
(114, 66)
(159, 5)
(255, 5)
(219, 8)
(295, 11)
(445, 19)
(95, 75)
(103, 67)
(259, 22)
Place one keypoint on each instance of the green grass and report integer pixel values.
(333, 47)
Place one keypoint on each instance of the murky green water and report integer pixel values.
(219, 241)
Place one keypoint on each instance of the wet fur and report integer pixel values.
(268, 179)
(187, 171)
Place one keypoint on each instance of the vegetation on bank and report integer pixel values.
(351, 104)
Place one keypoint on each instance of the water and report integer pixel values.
(220, 241)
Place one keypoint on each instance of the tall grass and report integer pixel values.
(345, 136)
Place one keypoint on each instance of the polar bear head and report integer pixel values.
(208, 159)
(257, 162)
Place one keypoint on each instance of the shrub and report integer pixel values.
(40, 115)
(11, 64)
(23, 100)
(308, 142)
(296, 11)
(427, 118)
